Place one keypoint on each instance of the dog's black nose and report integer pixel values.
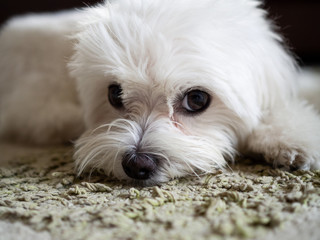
(139, 166)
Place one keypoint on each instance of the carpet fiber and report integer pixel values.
(39, 193)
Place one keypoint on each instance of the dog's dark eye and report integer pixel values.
(114, 96)
(196, 101)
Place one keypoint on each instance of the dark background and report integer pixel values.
(299, 20)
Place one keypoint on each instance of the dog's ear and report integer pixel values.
(266, 74)
(276, 67)
(278, 70)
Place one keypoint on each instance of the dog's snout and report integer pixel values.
(139, 166)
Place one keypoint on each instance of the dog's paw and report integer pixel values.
(288, 158)
(288, 155)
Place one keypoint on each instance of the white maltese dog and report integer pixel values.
(159, 88)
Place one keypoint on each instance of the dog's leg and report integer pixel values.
(288, 136)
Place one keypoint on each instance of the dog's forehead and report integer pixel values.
(149, 88)
(158, 69)
(170, 83)
(153, 54)
(162, 71)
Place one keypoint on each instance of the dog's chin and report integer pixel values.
(152, 181)
(161, 176)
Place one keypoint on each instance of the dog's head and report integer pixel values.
(170, 87)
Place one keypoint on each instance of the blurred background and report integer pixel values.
(299, 20)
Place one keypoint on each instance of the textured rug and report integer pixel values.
(40, 198)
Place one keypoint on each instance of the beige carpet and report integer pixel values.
(41, 199)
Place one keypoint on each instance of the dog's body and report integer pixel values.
(165, 88)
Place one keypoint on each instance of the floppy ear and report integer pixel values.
(250, 68)
(257, 79)
(278, 70)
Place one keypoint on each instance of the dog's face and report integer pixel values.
(169, 90)
(153, 130)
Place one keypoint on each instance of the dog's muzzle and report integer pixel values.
(139, 166)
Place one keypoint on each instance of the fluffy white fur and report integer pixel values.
(156, 50)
